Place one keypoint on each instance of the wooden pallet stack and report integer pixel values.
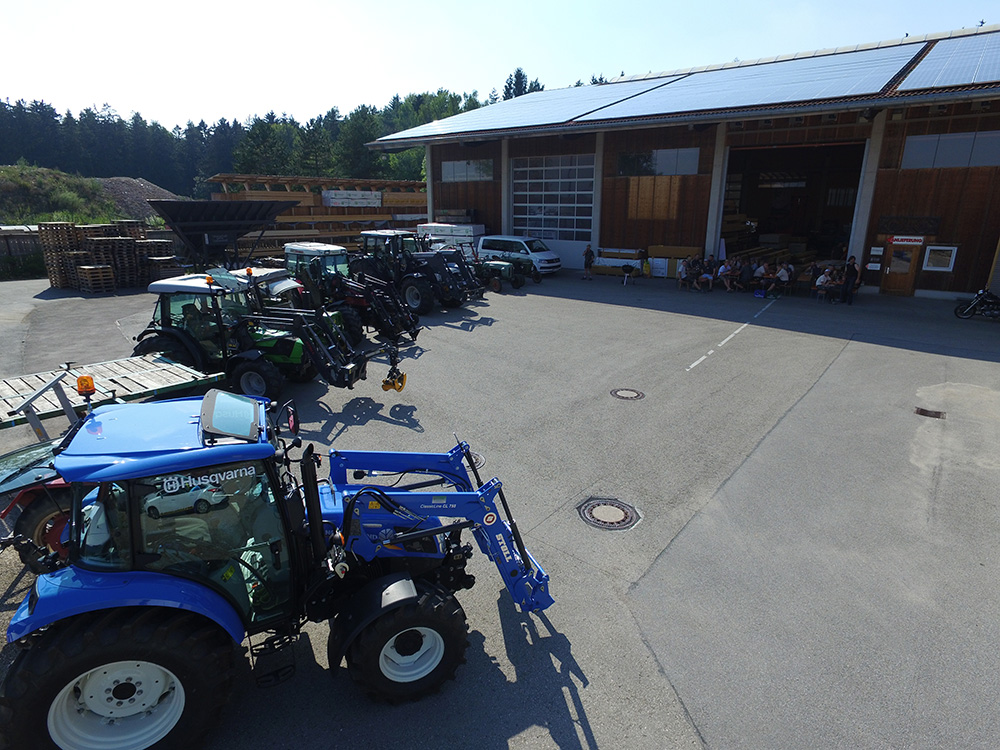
(164, 268)
(145, 250)
(124, 261)
(57, 238)
(72, 260)
(118, 253)
(130, 228)
(100, 251)
(97, 279)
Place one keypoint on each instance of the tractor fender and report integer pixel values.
(75, 591)
(367, 604)
(181, 337)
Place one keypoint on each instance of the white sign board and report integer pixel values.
(353, 198)
(905, 239)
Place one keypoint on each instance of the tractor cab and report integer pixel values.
(317, 260)
(198, 499)
(203, 314)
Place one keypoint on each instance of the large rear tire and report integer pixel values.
(43, 520)
(128, 678)
(411, 651)
(258, 377)
(354, 329)
(418, 296)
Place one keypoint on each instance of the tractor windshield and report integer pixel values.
(220, 526)
(336, 264)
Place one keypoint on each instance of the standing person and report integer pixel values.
(588, 261)
(852, 273)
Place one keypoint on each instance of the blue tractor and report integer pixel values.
(199, 538)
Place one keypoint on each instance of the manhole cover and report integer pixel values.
(608, 513)
(478, 459)
(628, 394)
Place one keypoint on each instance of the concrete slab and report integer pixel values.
(812, 566)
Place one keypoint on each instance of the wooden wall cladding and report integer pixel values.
(637, 212)
(585, 143)
(967, 204)
(479, 199)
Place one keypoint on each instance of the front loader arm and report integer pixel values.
(378, 520)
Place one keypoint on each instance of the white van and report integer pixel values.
(506, 247)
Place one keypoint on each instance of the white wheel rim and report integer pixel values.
(412, 296)
(253, 384)
(123, 704)
(407, 667)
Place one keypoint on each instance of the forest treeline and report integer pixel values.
(100, 143)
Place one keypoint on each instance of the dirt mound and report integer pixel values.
(130, 195)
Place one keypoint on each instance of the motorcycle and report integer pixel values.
(985, 303)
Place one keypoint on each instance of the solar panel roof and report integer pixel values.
(962, 61)
(802, 79)
(540, 108)
(867, 73)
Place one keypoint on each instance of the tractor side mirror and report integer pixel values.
(291, 417)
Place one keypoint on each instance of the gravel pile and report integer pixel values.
(130, 195)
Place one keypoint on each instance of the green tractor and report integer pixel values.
(217, 322)
(492, 273)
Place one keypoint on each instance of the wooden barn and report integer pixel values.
(888, 151)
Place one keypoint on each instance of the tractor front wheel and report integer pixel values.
(258, 377)
(517, 281)
(418, 295)
(409, 652)
(494, 284)
(130, 677)
(536, 276)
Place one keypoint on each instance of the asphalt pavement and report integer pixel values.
(813, 564)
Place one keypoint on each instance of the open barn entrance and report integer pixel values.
(795, 202)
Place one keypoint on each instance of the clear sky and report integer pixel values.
(182, 60)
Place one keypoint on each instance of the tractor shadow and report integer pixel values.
(358, 412)
(486, 706)
(464, 319)
(11, 599)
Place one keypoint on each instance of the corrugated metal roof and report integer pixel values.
(849, 76)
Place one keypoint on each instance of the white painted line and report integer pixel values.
(696, 363)
(730, 336)
(764, 308)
